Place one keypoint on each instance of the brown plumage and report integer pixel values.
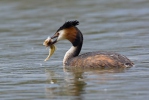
(98, 59)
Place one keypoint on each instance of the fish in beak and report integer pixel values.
(49, 42)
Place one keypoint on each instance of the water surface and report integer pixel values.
(110, 25)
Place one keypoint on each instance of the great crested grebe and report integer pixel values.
(98, 59)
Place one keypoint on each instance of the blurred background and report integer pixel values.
(112, 25)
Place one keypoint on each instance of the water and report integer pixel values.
(111, 25)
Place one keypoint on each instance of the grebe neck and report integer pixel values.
(75, 49)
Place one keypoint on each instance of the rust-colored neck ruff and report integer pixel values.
(75, 49)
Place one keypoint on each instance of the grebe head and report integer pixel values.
(67, 31)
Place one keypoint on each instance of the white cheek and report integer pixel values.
(61, 35)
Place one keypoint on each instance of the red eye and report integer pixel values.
(57, 34)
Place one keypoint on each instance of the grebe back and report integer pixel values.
(98, 59)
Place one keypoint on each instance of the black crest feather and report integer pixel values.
(68, 24)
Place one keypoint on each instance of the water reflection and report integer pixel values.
(73, 83)
(68, 84)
